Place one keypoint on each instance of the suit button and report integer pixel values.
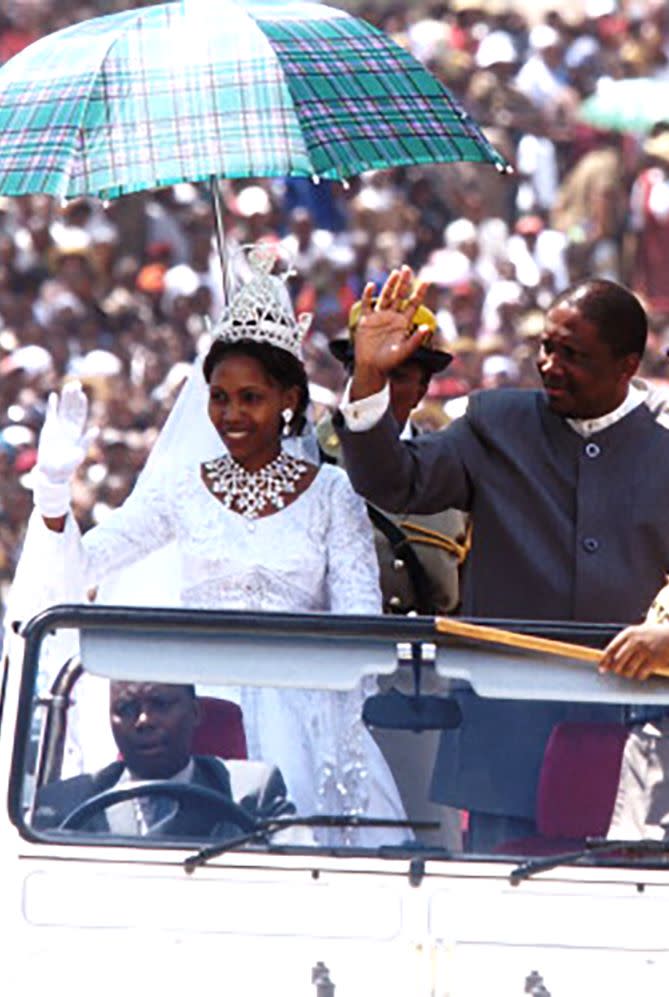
(590, 545)
(398, 564)
(592, 450)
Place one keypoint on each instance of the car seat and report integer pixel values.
(220, 731)
(577, 788)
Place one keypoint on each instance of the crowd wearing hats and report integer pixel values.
(118, 295)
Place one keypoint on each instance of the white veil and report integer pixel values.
(187, 439)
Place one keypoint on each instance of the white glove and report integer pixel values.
(62, 447)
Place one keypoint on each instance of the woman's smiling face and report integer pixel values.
(245, 407)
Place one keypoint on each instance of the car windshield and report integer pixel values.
(229, 730)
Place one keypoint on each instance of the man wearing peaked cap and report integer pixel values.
(419, 562)
(416, 573)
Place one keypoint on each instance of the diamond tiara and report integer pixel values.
(261, 309)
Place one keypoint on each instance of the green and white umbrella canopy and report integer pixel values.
(196, 89)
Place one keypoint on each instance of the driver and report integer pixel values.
(153, 726)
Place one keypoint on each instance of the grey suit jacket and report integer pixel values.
(564, 528)
(255, 786)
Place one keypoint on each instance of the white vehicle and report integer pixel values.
(86, 911)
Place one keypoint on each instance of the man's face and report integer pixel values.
(582, 377)
(153, 726)
(408, 384)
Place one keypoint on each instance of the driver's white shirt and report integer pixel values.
(136, 816)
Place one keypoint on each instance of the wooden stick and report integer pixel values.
(524, 642)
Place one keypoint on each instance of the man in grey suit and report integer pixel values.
(567, 489)
(153, 726)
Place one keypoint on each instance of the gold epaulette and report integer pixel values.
(417, 534)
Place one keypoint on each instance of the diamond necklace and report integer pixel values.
(248, 492)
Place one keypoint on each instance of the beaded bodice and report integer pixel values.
(315, 554)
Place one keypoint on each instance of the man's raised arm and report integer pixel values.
(384, 336)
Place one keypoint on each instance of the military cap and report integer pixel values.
(429, 354)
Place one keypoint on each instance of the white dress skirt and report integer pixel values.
(315, 555)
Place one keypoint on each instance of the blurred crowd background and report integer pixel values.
(117, 294)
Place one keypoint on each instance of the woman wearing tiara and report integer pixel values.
(255, 526)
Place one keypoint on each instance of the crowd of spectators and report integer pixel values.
(117, 294)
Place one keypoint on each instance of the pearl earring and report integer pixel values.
(287, 416)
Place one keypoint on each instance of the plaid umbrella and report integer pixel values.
(191, 90)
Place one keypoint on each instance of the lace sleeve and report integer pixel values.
(353, 570)
(143, 524)
(42, 578)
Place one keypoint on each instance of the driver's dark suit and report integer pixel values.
(257, 787)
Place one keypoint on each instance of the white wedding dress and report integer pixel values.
(316, 554)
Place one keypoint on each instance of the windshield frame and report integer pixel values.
(384, 630)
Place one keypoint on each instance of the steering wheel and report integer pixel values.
(185, 793)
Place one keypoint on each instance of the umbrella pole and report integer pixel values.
(219, 208)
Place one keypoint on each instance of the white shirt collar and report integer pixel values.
(587, 427)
